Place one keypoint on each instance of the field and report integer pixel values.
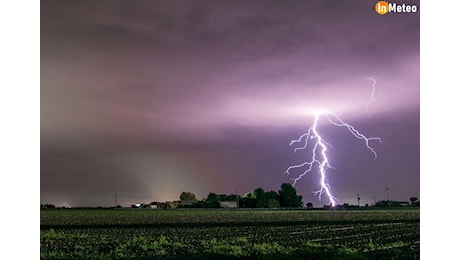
(220, 234)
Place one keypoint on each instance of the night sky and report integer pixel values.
(147, 99)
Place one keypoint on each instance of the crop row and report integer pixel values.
(270, 234)
(206, 217)
(361, 238)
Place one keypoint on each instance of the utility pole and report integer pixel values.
(357, 195)
(116, 202)
(388, 196)
(237, 201)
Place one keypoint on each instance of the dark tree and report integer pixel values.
(247, 195)
(273, 199)
(414, 201)
(309, 205)
(187, 196)
(48, 206)
(225, 197)
(382, 203)
(247, 202)
(212, 201)
(288, 197)
(272, 195)
(259, 195)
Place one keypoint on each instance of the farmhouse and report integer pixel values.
(228, 204)
(186, 203)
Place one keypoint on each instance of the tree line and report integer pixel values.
(286, 197)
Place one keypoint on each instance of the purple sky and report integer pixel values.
(147, 99)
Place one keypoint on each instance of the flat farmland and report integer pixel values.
(231, 234)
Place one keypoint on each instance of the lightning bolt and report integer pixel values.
(319, 159)
(372, 98)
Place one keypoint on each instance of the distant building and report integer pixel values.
(403, 203)
(47, 206)
(392, 203)
(157, 205)
(186, 203)
(171, 204)
(228, 204)
(143, 206)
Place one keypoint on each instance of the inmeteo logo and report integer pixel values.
(383, 7)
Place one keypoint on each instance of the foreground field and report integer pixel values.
(217, 234)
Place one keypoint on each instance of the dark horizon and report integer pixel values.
(149, 99)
